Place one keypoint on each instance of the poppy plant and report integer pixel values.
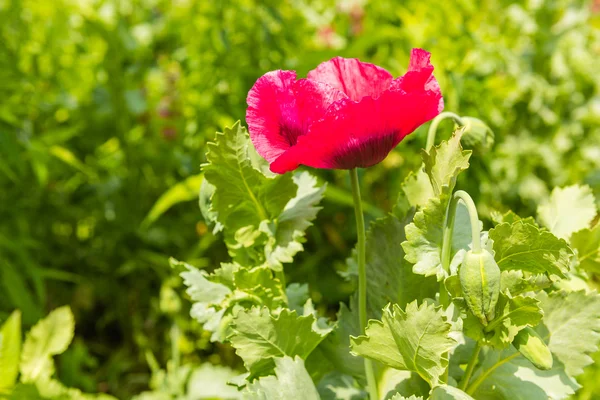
(345, 114)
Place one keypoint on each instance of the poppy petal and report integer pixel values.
(356, 79)
(281, 108)
(361, 134)
(419, 75)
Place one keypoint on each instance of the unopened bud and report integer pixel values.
(480, 283)
(476, 135)
(533, 348)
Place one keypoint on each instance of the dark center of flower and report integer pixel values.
(291, 133)
(365, 152)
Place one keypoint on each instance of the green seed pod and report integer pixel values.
(533, 348)
(476, 135)
(480, 283)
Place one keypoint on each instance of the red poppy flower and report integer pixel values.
(345, 114)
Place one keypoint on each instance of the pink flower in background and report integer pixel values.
(345, 114)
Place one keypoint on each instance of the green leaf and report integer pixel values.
(243, 195)
(47, 338)
(568, 210)
(336, 345)
(443, 164)
(573, 327)
(515, 282)
(392, 382)
(512, 315)
(214, 295)
(183, 191)
(587, 244)
(297, 294)
(210, 381)
(445, 392)
(525, 247)
(258, 337)
(337, 386)
(417, 188)
(424, 237)
(291, 382)
(10, 350)
(295, 218)
(390, 278)
(416, 340)
(398, 396)
(510, 217)
(509, 376)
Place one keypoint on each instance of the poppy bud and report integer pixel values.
(476, 135)
(480, 282)
(533, 348)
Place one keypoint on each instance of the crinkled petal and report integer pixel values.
(419, 75)
(356, 79)
(361, 134)
(281, 108)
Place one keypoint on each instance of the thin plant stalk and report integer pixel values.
(432, 132)
(362, 277)
(470, 367)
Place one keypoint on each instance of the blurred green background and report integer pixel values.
(106, 107)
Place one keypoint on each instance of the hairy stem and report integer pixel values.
(362, 277)
(470, 367)
(431, 133)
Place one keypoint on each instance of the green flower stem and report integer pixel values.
(449, 226)
(434, 125)
(470, 367)
(362, 277)
(447, 242)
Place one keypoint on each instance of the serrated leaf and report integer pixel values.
(336, 345)
(587, 244)
(10, 350)
(510, 217)
(573, 324)
(49, 337)
(424, 237)
(295, 218)
(443, 164)
(515, 282)
(568, 210)
(258, 336)
(291, 382)
(522, 246)
(509, 376)
(417, 188)
(512, 315)
(398, 396)
(445, 392)
(416, 340)
(390, 278)
(214, 295)
(243, 195)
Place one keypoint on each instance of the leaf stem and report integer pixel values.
(431, 133)
(362, 277)
(470, 366)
